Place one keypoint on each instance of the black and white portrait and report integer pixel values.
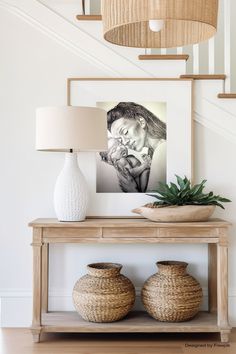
(136, 158)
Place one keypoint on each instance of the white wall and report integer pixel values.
(33, 72)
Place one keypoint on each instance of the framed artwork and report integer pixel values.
(149, 130)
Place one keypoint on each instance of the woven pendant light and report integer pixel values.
(158, 23)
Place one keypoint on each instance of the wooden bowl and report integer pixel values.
(185, 213)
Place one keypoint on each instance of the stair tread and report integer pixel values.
(89, 17)
(204, 77)
(163, 57)
(227, 95)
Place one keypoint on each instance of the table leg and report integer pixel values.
(212, 277)
(45, 260)
(224, 336)
(222, 288)
(37, 282)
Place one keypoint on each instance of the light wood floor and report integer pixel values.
(19, 341)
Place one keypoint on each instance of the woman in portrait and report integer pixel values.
(137, 128)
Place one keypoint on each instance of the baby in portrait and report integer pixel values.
(118, 156)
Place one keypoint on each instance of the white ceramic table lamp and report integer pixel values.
(71, 129)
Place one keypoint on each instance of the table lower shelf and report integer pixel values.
(135, 322)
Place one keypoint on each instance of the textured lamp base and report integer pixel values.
(71, 192)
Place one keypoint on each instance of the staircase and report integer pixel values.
(224, 38)
(214, 107)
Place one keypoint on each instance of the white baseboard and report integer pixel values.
(16, 306)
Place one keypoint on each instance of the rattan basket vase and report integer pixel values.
(172, 295)
(103, 295)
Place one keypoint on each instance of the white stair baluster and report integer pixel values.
(211, 56)
(195, 59)
(180, 50)
(87, 7)
(227, 51)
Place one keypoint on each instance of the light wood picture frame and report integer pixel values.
(178, 96)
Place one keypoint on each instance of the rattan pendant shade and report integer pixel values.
(126, 22)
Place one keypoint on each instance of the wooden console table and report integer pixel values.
(127, 230)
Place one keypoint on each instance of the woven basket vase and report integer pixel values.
(172, 295)
(103, 295)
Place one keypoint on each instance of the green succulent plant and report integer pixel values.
(183, 193)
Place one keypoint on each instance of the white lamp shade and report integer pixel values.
(65, 128)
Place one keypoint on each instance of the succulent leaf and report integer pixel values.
(183, 193)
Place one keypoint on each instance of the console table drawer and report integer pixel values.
(129, 232)
(188, 232)
(60, 232)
